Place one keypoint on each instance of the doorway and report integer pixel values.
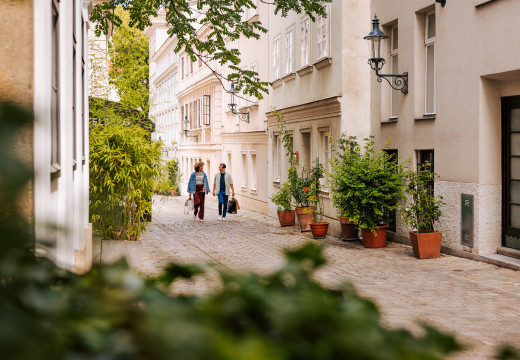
(511, 172)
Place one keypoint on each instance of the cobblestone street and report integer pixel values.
(479, 302)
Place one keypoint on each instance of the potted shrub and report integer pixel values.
(283, 201)
(338, 183)
(299, 181)
(372, 185)
(319, 228)
(300, 186)
(423, 212)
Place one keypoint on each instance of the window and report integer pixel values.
(207, 103)
(55, 93)
(244, 171)
(289, 49)
(253, 172)
(276, 58)
(83, 91)
(392, 224)
(228, 160)
(430, 63)
(305, 42)
(305, 154)
(182, 67)
(394, 58)
(74, 90)
(276, 157)
(323, 34)
(325, 155)
(423, 157)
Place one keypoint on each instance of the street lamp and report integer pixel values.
(376, 62)
(244, 116)
(186, 123)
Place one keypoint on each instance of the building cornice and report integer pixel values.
(319, 109)
(210, 79)
(252, 137)
(164, 75)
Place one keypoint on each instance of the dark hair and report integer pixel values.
(198, 165)
(223, 165)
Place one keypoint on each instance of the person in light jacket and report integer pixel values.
(199, 187)
(222, 184)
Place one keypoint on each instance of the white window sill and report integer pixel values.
(289, 77)
(252, 191)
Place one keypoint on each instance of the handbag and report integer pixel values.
(188, 206)
(232, 206)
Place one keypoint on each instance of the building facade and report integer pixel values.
(320, 88)
(164, 79)
(460, 114)
(44, 62)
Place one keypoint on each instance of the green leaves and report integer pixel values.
(223, 18)
(283, 197)
(366, 185)
(425, 208)
(124, 167)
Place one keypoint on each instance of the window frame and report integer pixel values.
(305, 42)
(55, 90)
(322, 23)
(253, 171)
(276, 58)
(206, 110)
(394, 65)
(289, 51)
(429, 42)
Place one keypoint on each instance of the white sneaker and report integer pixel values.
(195, 217)
(220, 217)
(200, 219)
(223, 219)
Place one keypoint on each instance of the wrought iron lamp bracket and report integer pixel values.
(244, 116)
(396, 81)
(195, 137)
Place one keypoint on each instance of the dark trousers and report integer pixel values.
(198, 201)
(222, 203)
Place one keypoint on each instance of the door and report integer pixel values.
(511, 172)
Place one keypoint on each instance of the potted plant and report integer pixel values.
(319, 228)
(371, 186)
(299, 181)
(423, 212)
(300, 186)
(282, 199)
(343, 151)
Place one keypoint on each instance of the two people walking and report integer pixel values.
(198, 187)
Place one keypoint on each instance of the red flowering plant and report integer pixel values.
(313, 192)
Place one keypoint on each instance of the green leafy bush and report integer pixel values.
(425, 208)
(124, 167)
(283, 197)
(366, 185)
(172, 169)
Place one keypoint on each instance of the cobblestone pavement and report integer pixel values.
(478, 302)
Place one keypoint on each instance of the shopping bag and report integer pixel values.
(232, 206)
(188, 206)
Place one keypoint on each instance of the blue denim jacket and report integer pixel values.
(193, 181)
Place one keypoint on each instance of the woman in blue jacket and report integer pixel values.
(199, 187)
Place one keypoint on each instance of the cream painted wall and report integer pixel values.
(476, 64)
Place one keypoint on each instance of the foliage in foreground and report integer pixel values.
(124, 167)
(112, 313)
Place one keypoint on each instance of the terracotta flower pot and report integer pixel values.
(348, 229)
(286, 217)
(374, 241)
(319, 230)
(426, 245)
(305, 217)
